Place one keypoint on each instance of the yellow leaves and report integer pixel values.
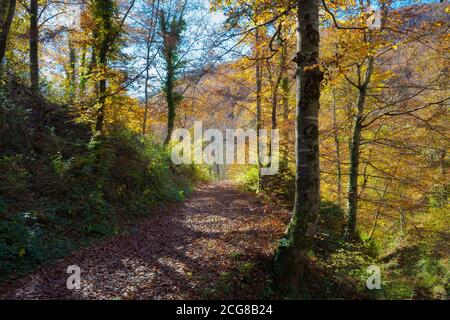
(22, 252)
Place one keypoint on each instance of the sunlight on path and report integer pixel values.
(216, 244)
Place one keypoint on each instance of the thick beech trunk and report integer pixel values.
(290, 259)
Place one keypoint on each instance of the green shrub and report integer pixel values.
(88, 189)
(248, 180)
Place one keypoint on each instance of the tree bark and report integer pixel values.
(144, 122)
(290, 259)
(171, 37)
(258, 72)
(34, 46)
(6, 25)
(285, 99)
(338, 152)
(72, 76)
(352, 196)
(170, 86)
(104, 34)
(102, 88)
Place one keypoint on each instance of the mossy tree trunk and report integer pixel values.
(290, 259)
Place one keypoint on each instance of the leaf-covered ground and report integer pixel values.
(218, 243)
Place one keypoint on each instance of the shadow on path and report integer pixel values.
(218, 243)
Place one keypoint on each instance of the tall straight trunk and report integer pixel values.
(86, 68)
(274, 114)
(72, 76)
(338, 152)
(258, 72)
(171, 104)
(290, 258)
(352, 195)
(102, 88)
(285, 98)
(147, 75)
(83, 71)
(34, 45)
(8, 8)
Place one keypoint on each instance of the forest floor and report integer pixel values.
(218, 243)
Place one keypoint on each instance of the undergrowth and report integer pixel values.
(413, 263)
(61, 188)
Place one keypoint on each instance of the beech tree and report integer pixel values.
(290, 259)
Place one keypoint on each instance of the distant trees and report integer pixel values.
(385, 98)
(369, 85)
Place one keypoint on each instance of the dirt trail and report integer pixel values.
(218, 243)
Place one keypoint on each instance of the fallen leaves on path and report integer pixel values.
(218, 243)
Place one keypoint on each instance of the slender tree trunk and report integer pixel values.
(102, 89)
(83, 71)
(338, 152)
(258, 99)
(171, 105)
(72, 76)
(352, 197)
(290, 259)
(144, 122)
(34, 45)
(285, 98)
(6, 25)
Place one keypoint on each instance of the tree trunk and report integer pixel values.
(6, 25)
(34, 46)
(72, 76)
(170, 86)
(258, 100)
(144, 122)
(290, 259)
(338, 152)
(352, 196)
(102, 88)
(285, 92)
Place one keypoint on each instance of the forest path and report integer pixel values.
(218, 243)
